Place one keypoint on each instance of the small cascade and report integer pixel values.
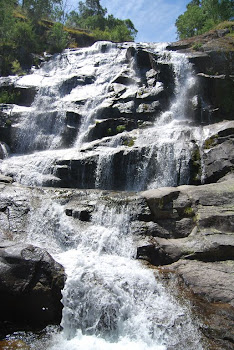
(111, 301)
(104, 75)
(4, 150)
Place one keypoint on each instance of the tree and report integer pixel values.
(91, 8)
(203, 15)
(218, 10)
(24, 36)
(73, 19)
(191, 22)
(93, 17)
(130, 26)
(57, 38)
(7, 20)
(37, 9)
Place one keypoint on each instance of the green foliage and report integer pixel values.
(188, 211)
(109, 132)
(191, 22)
(58, 13)
(8, 122)
(129, 142)
(36, 9)
(209, 143)
(25, 36)
(7, 20)
(16, 68)
(120, 128)
(202, 16)
(196, 166)
(224, 25)
(93, 17)
(58, 39)
(196, 157)
(91, 8)
(8, 97)
(26, 27)
(197, 46)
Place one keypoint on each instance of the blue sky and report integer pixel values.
(154, 19)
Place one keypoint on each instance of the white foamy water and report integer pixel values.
(111, 301)
(81, 82)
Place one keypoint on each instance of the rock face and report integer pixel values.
(218, 154)
(142, 89)
(30, 287)
(186, 230)
(212, 57)
(194, 236)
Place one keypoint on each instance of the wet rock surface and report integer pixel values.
(186, 230)
(30, 288)
(201, 252)
(218, 155)
(212, 57)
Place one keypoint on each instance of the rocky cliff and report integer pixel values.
(157, 123)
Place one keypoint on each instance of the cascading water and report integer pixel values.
(78, 87)
(111, 300)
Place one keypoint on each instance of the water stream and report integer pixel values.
(81, 82)
(111, 300)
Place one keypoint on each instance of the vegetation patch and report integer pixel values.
(9, 97)
(195, 167)
(225, 25)
(211, 142)
(204, 15)
(36, 26)
(197, 46)
(110, 132)
(189, 212)
(120, 128)
(129, 142)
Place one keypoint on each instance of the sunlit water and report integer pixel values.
(111, 300)
(81, 82)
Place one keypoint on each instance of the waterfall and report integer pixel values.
(80, 89)
(98, 121)
(111, 300)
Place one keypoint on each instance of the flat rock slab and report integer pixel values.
(213, 281)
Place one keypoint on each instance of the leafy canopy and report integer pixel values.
(92, 16)
(203, 15)
(7, 20)
(35, 26)
(37, 9)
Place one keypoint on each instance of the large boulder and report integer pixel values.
(217, 92)
(218, 152)
(193, 236)
(212, 294)
(206, 208)
(30, 288)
